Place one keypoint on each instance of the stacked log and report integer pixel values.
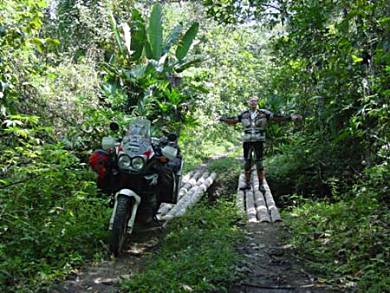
(165, 208)
(240, 200)
(186, 184)
(192, 190)
(261, 206)
(197, 194)
(250, 205)
(258, 207)
(275, 216)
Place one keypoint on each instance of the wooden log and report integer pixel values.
(191, 183)
(197, 194)
(196, 176)
(241, 182)
(184, 189)
(262, 212)
(240, 199)
(179, 206)
(187, 177)
(261, 208)
(193, 195)
(164, 209)
(275, 216)
(203, 178)
(250, 206)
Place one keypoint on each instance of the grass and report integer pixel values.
(344, 242)
(197, 255)
(195, 154)
(46, 234)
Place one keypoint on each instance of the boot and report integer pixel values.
(247, 181)
(261, 175)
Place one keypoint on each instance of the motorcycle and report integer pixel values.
(139, 172)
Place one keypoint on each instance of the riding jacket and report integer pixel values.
(254, 124)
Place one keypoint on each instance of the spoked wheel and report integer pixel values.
(119, 227)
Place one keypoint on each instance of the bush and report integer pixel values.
(197, 254)
(346, 241)
(53, 220)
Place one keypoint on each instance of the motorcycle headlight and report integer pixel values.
(124, 162)
(137, 163)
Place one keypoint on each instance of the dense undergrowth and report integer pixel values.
(198, 253)
(345, 240)
(52, 222)
(67, 70)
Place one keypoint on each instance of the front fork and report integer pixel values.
(137, 200)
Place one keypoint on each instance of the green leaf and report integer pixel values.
(173, 37)
(117, 35)
(52, 42)
(39, 44)
(148, 51)
(155, 31)
(186, 42)
(356, 59)
(138, 34)
(188, 64)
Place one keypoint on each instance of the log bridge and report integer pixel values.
(194, 186)
(259, 207)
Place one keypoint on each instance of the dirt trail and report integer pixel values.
(270, 265)
(105, 276)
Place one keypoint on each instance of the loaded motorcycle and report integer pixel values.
(139, 172)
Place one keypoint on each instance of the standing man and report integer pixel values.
(254, 122)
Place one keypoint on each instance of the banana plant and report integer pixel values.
(145, 66)
(144, 44)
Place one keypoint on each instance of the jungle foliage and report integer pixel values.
(59, 88)
(205, 237)
(68, 68)
(331, 63)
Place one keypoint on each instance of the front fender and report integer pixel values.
(137, 200)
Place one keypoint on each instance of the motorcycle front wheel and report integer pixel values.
(119, 227)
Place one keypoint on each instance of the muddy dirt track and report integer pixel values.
(105, 276)
(268, 264)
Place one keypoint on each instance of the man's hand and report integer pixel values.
(296, 117)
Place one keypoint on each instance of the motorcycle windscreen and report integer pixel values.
(139, 127)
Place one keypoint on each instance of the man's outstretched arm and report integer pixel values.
(229, 120)
(283, 118)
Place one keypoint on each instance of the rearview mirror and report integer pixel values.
(114, 126)
(172, 137)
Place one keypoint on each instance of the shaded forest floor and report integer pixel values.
(271, 265)
(267, 263)
(107, 275)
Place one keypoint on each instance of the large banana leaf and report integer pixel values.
(148, 50)
(186, 41)
(172, 38)
(155, 32)
(184, 66)
(138, 34)
(117, 34)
